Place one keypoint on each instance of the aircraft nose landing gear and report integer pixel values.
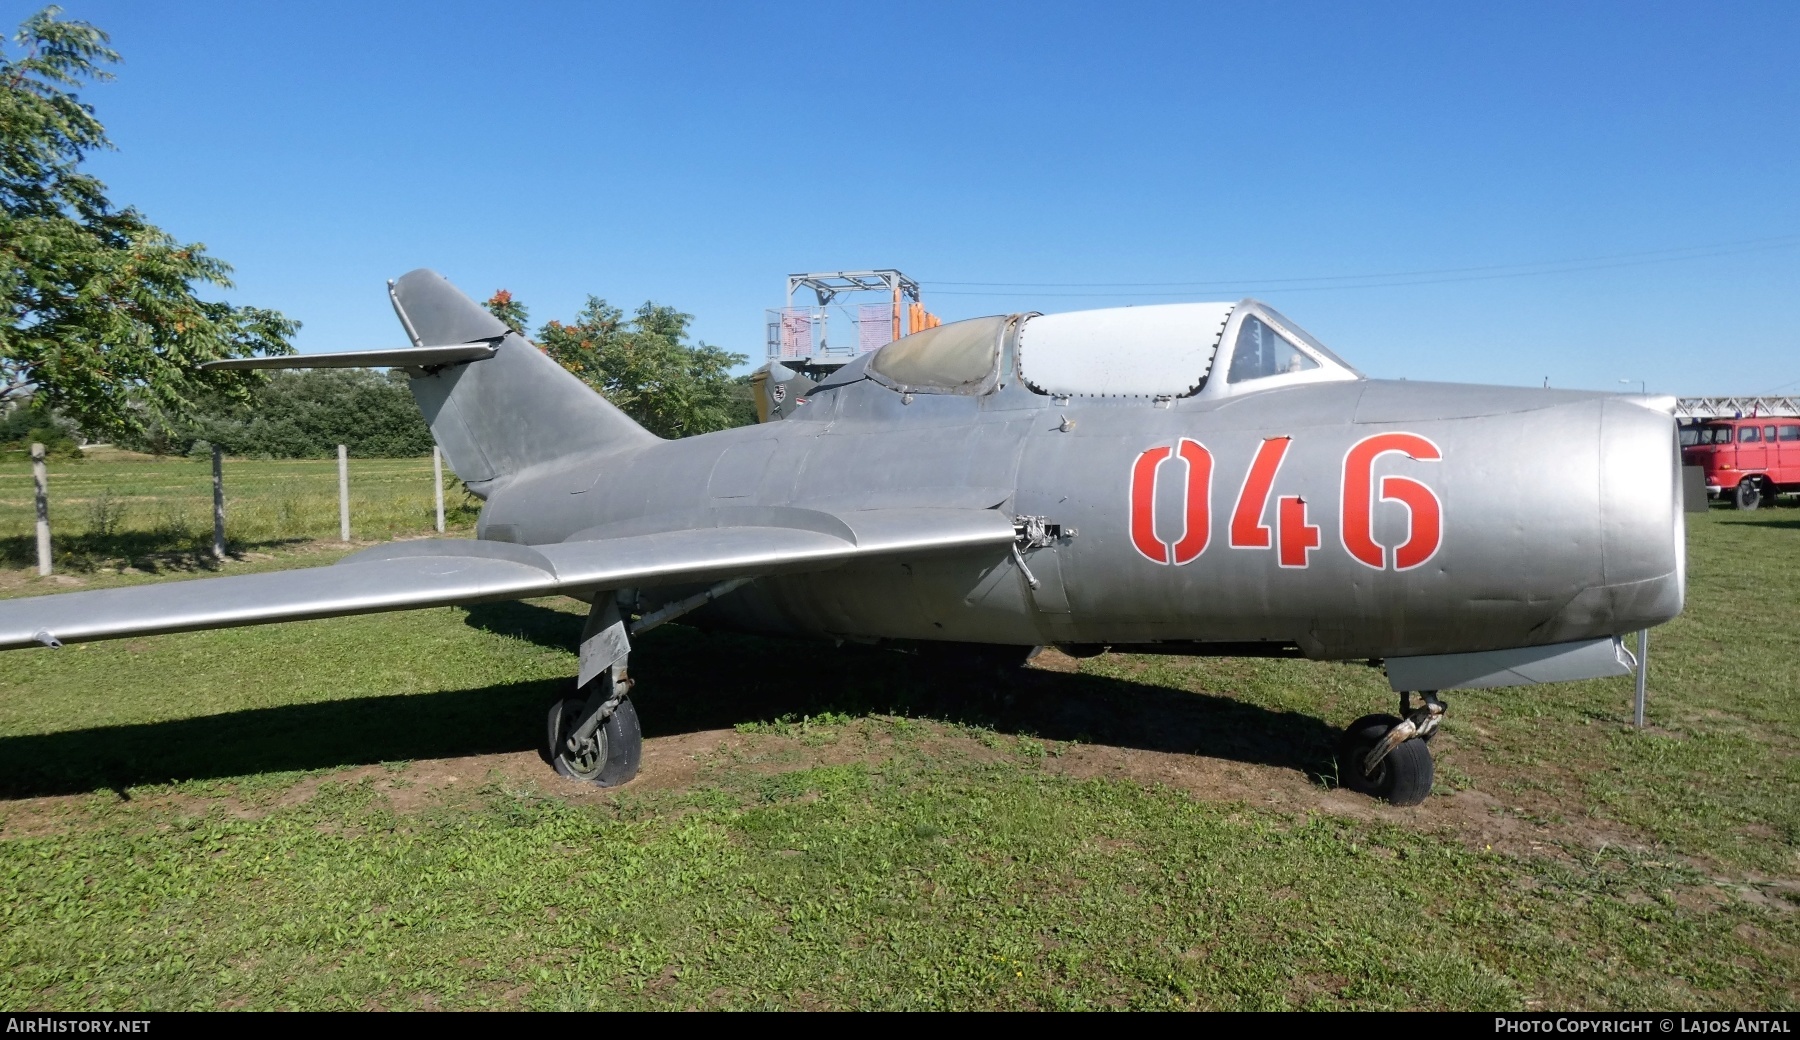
(1388, 757)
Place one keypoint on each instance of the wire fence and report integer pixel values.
(113, 509)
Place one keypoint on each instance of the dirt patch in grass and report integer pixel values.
(1479, 820)
(688, 761)
(679, 763)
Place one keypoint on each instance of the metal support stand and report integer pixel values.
(41, 477)
(343, 493)
(218, 455)
(1643, 677)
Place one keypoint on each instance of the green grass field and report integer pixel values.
(351, 813)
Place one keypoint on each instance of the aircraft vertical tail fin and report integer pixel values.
(503, 414)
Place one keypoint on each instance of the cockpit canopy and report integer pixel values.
(1163, 351)
(962, 357)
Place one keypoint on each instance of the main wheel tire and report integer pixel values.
(1748, 495)
(610, 757)
(1403, 778)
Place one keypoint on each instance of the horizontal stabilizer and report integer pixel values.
(439, 572)
(405, 357)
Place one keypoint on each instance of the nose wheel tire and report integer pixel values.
(608, 758)
(1748, 495)
(1403, 778)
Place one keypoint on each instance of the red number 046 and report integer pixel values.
(1294, 539)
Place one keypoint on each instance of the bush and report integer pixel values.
(303, 415)
(30, 423)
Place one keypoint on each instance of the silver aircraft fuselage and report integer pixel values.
(1199, 478)
(1349, 519)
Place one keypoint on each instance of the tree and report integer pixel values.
(502, 305)
(743, 401)
(647, 368)
(301, 415)
(98, 316)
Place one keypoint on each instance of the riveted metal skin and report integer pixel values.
(1559, 510)
(1480, 519)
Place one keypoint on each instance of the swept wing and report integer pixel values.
(710, 546)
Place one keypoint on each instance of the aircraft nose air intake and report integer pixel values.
(1643, 532)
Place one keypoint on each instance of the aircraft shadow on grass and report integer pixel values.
(689, 680)
(1786, 524)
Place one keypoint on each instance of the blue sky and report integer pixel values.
(1640, 159)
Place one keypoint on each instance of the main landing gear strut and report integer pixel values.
(1389, 757)
(594, 735)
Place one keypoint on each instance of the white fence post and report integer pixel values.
(437, 483)
(218, 454)
(343, 493)
(41, 477)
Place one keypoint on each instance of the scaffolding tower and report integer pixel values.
(801, 337)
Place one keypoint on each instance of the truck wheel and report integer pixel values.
(1749, 496)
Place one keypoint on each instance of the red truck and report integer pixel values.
(1749, 460)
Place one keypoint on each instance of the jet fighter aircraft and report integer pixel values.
(1201, 478)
